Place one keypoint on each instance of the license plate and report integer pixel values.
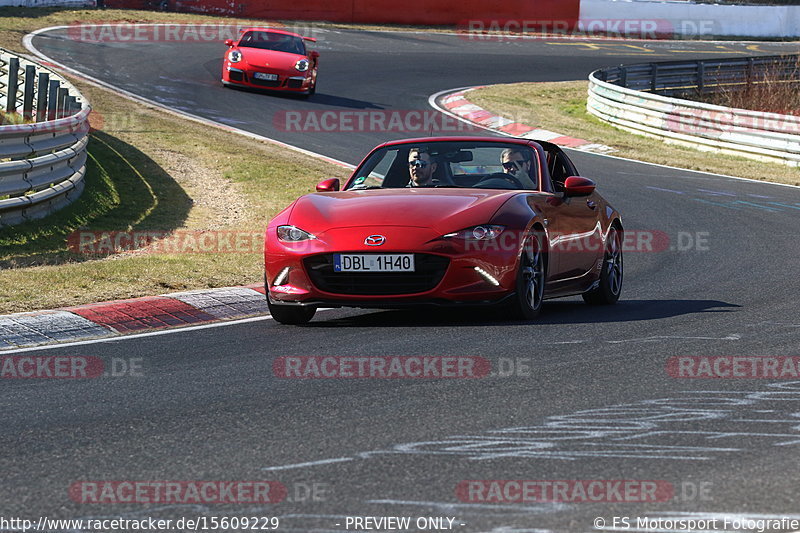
(373, 262)
(265, 76)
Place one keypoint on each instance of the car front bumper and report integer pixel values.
(246, 78)
(441, 278)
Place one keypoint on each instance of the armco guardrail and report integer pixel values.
(43, 137)
(640, 99)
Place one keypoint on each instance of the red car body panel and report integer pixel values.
(380, 208)
(281, 64)
(419, 221)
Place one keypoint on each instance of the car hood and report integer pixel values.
(443, 210)
(270, 58)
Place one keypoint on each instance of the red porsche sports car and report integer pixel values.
(446, 221)
(272, 59)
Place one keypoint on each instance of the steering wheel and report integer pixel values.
(506, 177)
(499, 180)
(511, 179)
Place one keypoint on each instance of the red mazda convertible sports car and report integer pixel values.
(446, 221)
(272, 59)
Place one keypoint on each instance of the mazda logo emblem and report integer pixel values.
(375, 240)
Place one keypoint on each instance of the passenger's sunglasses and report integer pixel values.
(513, 165)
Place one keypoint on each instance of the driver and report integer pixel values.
(421, 168)
(517, 163)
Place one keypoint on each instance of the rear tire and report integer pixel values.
(291, 314)
(610, 287)
(531, 276)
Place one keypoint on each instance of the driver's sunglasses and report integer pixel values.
(418, 163)
(513, 165)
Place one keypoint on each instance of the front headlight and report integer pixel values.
(234, 56)
(293, 234)
(302, 65)
(483, 232)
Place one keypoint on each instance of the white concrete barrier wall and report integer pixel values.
(763, 136)
(689, 20)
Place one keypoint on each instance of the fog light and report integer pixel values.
(282, 278)
(488, 277)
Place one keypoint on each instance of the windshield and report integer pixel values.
(267, 40)
(479, 165)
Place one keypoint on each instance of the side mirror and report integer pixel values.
(329, 185)
(228, 42)
(578, 186)
(314, 54)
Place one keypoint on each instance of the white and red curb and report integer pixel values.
(456, 104)
(108, 319)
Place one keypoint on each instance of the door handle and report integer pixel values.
(591, 204)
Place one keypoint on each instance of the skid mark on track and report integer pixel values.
(311, 463)
(653, 429)
(732, 200)
(656, 338)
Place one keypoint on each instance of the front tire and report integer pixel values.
(291, 314)
(311, 91)
(531, 275)
(610, 287)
